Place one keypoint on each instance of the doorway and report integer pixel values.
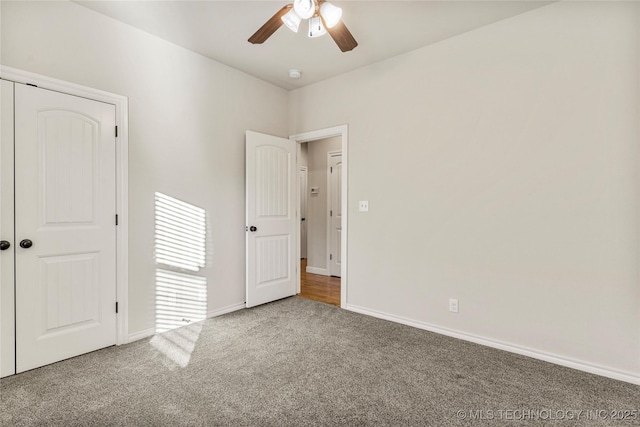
(322, 273)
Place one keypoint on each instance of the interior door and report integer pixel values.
(335, 218)
(271, 218)
(7, 242)
(304, 176)
(65, 229)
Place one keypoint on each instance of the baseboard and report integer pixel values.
(524, 351)
(219, 312)
(141, 335)
(225, 310)
(316, 270)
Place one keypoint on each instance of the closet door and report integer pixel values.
(7, 337)
(65, 226)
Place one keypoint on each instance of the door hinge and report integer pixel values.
(116, 219)
(330, 257)
(330, 213)
(116, 131)
(116, 307)
(331, 171)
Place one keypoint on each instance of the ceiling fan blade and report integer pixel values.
(342, 36)
(270, 26)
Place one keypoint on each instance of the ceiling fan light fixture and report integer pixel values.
(331, 14)
(304, 8)
(316, 29)
(323, 18)
(292, 20)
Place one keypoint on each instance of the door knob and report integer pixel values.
(302, 219)
(4, 245)
(253, 228)
(26, 244)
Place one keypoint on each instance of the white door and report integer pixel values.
(7, 338)
(65, 227)
(304, 176)
(335, 214)
(271, 218)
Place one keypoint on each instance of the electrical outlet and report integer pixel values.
(364, 206)
(453, 305)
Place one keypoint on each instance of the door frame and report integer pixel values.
(328, 213)
(343, 132)
(121, 104)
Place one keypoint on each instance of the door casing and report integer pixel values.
(121, 104)
(7, 232)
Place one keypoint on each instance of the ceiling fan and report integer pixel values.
(323, 17)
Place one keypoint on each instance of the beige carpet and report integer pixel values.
(297, 362)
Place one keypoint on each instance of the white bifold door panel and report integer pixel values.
(335, 217)
(65, 231)
(272, 221)
(7, 337)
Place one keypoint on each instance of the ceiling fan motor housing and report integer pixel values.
(304, 8)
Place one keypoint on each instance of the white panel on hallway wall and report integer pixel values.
(338, 203)
(335, 217)
(303, 175)
(339, 248)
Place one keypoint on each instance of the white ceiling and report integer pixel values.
(383, 29)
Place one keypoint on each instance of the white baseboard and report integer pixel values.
(219, 312)
(524, 351)
(141, 335)
(316, 270)
(225, 310)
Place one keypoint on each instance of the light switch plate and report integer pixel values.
(364, 206)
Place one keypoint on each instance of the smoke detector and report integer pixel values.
(295, 74)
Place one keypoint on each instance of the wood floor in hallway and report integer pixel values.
(317, 287)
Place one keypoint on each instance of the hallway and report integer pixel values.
(317, 287)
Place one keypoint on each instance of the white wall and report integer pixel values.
(317, 204)
(187, 117)
(501, 167)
